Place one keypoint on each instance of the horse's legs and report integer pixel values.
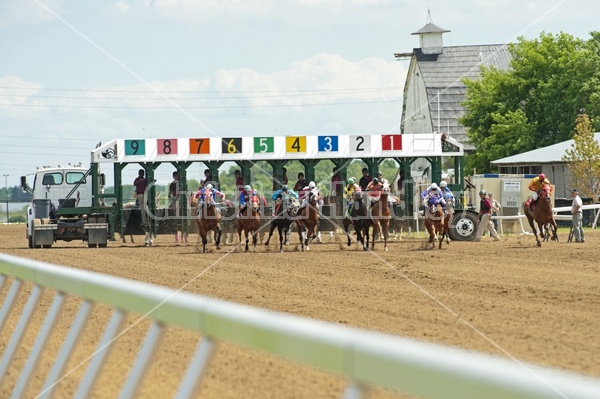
(204, 241)
(254, 239)
(271, 230)
(386, 232)
(218, 237)
(346, 225)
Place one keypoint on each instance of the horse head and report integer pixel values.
(546, 192)
(313, 196)
(255, 202)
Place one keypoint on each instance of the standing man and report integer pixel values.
(301, 183)
(577, 216)
(495, 209)
(239, 182)
(141, 184)
(174, 205)
(365, 179)
(485, 212)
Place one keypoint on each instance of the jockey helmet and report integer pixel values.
(351, 181)
(248, 188)
(284, 188)
(209, 186)
(443, 184)
(433, 186)
(482, 192)
(312, 184)
(542, 177)
(375, 180)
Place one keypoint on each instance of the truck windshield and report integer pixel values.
(51, 179)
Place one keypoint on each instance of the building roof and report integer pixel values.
(430, 28)
(443, 73)
(545, 155)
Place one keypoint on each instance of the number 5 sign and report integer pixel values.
(263, 145)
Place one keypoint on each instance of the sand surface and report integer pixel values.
(507, 298)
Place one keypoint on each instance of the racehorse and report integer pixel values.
(381, 215)
(249, 222)
(436, 224)
(359, 219)
(541, 212)
(208, 219)
(308, 219)
(285, 212)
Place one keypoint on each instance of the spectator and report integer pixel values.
(577, 217)
(485, 211)
(174, 205)
(495, 209)
(337, 186)
(401, 178)
(208, 177)
(284, 178)
(301, 183)
(239, 181)
(365, 179)
(141, 184)
(382, 179)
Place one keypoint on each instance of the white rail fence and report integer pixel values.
(367, 359)
(520, 217)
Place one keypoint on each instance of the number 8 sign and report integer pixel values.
(166, 146)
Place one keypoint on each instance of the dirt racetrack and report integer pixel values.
(507, 298)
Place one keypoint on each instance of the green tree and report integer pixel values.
(584, 159)
(534, 103)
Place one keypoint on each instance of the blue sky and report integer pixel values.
(75, 73)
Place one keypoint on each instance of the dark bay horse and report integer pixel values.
(359, 218)
(381, 215)
(541, 212)
(249, 222)
(208, 219)
(436, 224)
(308, 219)
(285, 212)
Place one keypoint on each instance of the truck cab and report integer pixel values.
(62, 208)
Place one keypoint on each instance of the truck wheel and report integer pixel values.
(464, 226)
(103, 245)
(91, 245)
(30, 241)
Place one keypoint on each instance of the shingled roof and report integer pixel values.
(442, 73)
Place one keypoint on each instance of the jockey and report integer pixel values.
(209, 190)
(374, 189)
(446, 194)
(246, 196)
(536, 184)
(305, 194)
(284, 194)
(431, 191)
(349, 191)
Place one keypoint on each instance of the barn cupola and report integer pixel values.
(430, 37)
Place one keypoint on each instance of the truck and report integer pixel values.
(64, 207)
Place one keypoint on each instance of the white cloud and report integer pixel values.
(18, 12)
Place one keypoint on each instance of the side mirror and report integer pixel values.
(102, 179)
(24, 187)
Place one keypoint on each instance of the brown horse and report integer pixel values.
(308, 219)
(249, 222)
(208, 219)
(541, 213)
(381, 215)
(435, 223)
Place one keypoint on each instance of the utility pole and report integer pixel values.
(6, 187)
